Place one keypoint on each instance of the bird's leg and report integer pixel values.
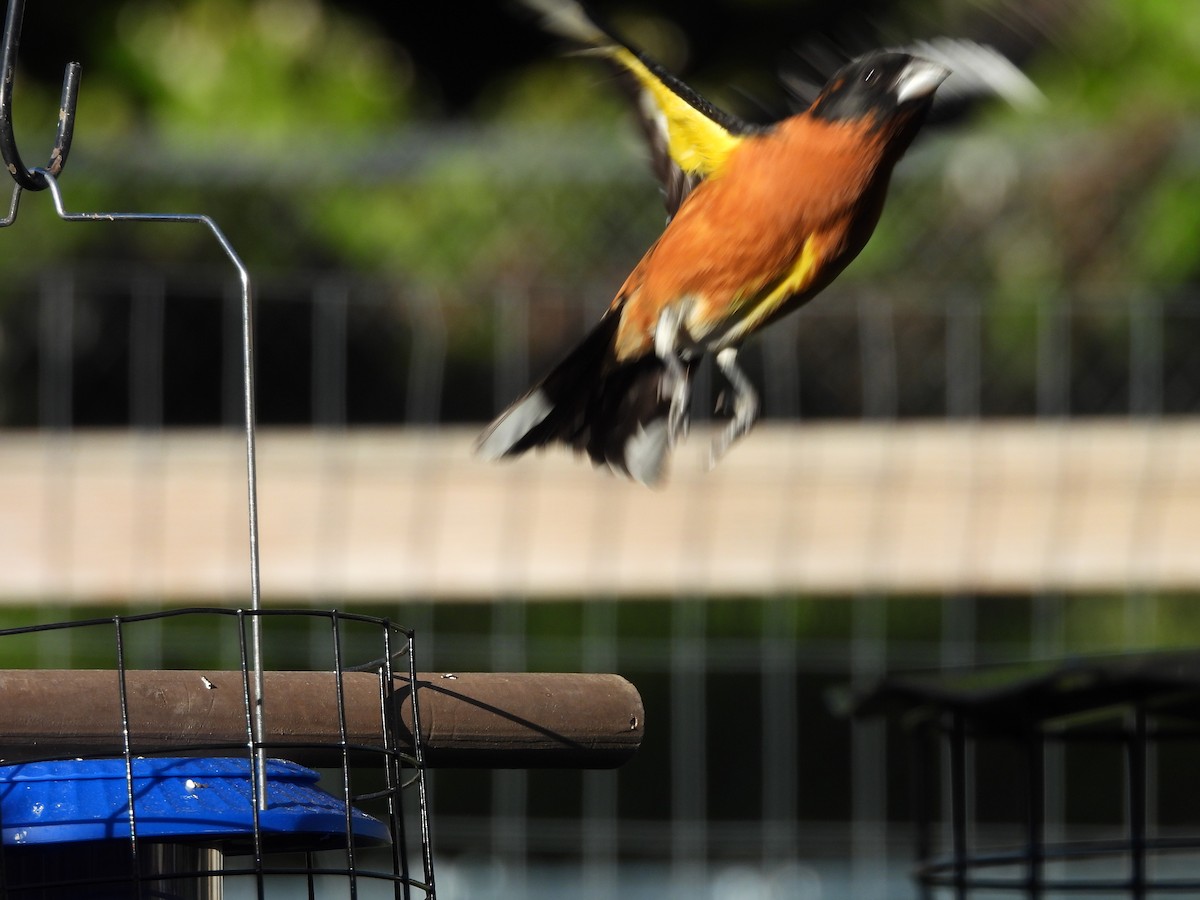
(745, 405)
(675, 381)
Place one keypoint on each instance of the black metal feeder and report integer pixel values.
(135, 784)
(1051, 744)
(123, 783)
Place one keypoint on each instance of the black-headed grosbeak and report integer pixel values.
(762, 219)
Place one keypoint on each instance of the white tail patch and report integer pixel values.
(646, 452)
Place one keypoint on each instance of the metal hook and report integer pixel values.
(25, 177)
(47, 178)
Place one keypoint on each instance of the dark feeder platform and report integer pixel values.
(1127, 707)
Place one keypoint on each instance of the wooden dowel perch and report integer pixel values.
(467, 719)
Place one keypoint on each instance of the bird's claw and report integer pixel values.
(743, 420)
(744, 407)
(674, 383)
(678, 420)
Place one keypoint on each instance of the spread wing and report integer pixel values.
(689, 137)
(977, 72)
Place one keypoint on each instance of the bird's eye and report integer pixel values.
(872, 76)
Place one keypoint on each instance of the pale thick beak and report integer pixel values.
(919, 79)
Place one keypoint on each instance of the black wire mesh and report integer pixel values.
(1134, 863)
(1002, 758)
(380, 775)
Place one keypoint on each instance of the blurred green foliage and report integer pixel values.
(248, 89)
(316, 142)
(278, 117)
(556, 636)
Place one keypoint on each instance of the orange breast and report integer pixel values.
(744, 228)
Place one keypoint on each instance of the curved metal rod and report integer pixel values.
(31, 179)
(48, 179)
(13, 206)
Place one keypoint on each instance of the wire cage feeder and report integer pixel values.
(1069, 779)
(130, 783)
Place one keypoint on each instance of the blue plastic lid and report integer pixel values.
(209, 800)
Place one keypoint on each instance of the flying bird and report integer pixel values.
(761, 219)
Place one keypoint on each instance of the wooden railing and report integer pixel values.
(382, 514)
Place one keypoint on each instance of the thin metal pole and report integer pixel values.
(248, 410)
(257, 784)
(126, 738)
(418, 737)
(343, 741)
(924, 746)
(958, 803)
(1035, 760)
(1137, 802)
(393, 775)
(256, 637)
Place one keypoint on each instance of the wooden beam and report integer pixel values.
(495, 721)
(388, 514)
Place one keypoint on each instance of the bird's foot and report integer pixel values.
(744, 404)
(679, 415)
(674, 382)
(745, 414)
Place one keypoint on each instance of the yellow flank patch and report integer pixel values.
(696, 143)
(755, 308)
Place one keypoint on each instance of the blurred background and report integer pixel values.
(980, 444)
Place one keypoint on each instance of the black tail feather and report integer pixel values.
(614, 412)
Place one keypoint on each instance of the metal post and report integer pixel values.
(958, 803)
(924, 747)
(1136, 761)
(1036, 811)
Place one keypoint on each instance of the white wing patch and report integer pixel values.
(522, 417)
(977, 69)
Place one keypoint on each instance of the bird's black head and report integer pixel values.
(879, 86)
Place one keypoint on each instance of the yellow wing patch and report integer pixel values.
(697, 144)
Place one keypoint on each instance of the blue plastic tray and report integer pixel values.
(187, 799)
